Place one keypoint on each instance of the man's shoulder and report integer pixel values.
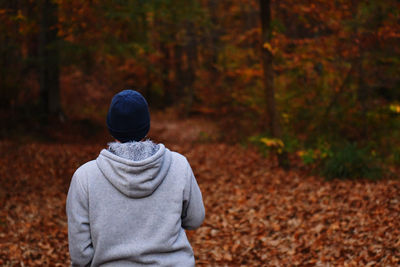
(180, 163)
(86, 168)
(179, 157)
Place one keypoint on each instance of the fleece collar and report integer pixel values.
(135, 151)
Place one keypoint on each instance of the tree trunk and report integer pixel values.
(213, 42)
(179, 74)
(10, 58)
(362, 96)
(268, 77)
(165, 70)
(49, 59)
(190, 77)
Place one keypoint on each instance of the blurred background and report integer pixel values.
(319, 80)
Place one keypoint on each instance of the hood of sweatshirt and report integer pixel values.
(135, 178)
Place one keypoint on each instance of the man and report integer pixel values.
(130, 206)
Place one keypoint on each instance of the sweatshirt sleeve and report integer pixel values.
(79, 239)
(193, 212)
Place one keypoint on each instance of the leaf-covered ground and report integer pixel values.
(257, 214)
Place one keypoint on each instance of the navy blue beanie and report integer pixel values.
(128, 117)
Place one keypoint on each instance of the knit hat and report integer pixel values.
(128, 117)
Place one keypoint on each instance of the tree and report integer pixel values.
(49, 59)
(268, 77)
(10, 53)
(213, 41)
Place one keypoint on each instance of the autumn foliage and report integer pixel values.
(256, 213)
(335, 66)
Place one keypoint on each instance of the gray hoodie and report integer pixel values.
(130, 208)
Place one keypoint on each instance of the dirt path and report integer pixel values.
(257, 214)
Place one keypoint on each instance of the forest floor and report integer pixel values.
(256, 213)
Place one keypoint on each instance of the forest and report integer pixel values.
(289, 112)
